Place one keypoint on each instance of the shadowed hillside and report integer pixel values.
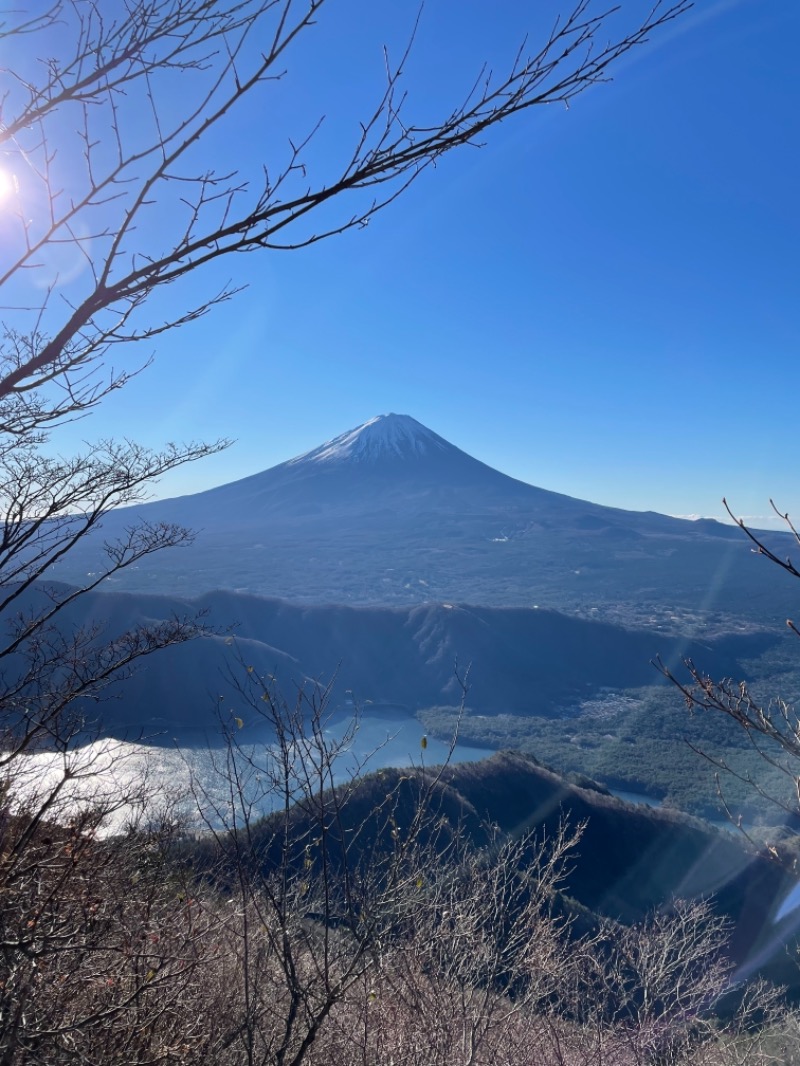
(519, 661)
(630, 859)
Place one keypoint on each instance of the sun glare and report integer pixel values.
(8, 185)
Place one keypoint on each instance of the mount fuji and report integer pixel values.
(392, 514)
(390, 462)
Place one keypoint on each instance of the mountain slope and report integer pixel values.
(394, 461)
(390, 513)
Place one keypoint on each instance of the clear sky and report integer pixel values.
(602, 301)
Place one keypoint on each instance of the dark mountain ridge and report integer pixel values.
(521, 661)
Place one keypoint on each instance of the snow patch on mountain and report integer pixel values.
(385, 436)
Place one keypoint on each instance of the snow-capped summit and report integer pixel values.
(385, 436)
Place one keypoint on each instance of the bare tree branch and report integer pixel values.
(121, 183)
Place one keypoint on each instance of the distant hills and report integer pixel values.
(392, 514)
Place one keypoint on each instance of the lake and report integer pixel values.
(192, 776)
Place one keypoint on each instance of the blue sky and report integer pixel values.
(602, 301)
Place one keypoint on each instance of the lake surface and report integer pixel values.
(189, 778)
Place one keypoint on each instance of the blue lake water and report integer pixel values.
(185, 775)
